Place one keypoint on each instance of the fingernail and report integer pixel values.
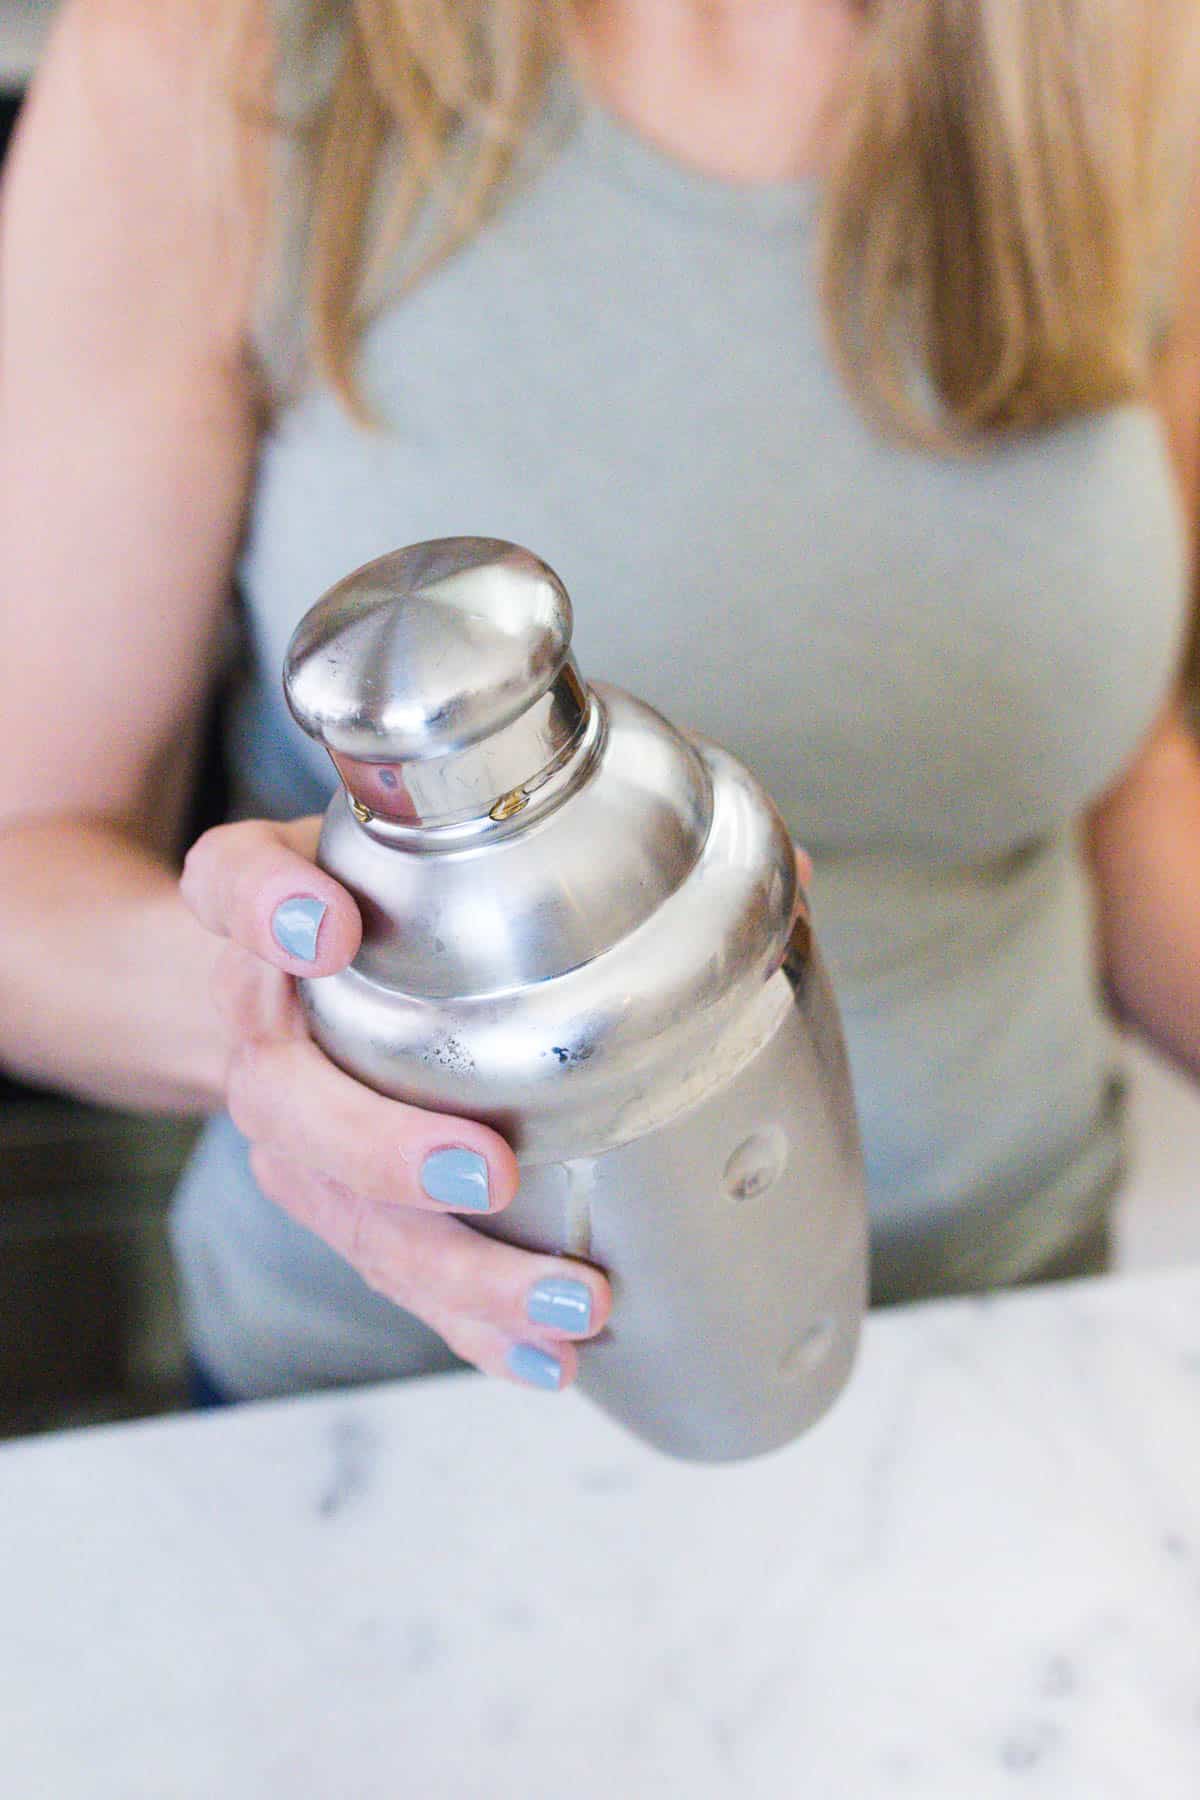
(295, 924)
(456, 1178)
(535, 1366)
(561, 1302)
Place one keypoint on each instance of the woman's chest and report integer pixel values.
(950, 654)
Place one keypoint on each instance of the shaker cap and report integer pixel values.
(440, 680)
(429, 649)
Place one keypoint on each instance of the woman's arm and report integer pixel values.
(1144, 835)
(126, 437)
(1144, 843)
(126, 441)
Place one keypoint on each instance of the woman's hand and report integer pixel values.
(377, 1180)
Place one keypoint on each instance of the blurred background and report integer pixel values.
(88, 1323)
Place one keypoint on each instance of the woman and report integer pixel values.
(832, 354)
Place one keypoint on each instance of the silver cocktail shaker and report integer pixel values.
(586, 930)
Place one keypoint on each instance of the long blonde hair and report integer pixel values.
(996, 229)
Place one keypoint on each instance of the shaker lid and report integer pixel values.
(424, 652)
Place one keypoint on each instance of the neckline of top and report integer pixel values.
(624, 152)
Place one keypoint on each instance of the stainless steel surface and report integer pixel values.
(439, 680)
(480, 925)
(735, 1240)
(619, 975)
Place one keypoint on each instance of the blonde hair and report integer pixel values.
(996, 226)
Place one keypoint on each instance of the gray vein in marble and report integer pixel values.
(1029, 1744)
(351, 1451)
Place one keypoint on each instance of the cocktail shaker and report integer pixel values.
(585, 928)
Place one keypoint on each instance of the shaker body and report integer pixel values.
(680, 1105)
(584, 928)
(735, 1242)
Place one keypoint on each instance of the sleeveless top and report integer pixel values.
(934, 666)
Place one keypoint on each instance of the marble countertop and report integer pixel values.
(979, 1576)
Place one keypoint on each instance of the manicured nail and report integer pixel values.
(295, 924)
(456, 1178)
(535, 1366)
(560, 1302)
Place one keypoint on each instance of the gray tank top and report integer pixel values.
(933, 665)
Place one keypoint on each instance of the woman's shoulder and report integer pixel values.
(170, 52)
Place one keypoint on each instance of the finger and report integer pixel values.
(550, 1367)
(253, 1000)
(250, 883)
(804, 867)
(438, 1268)
(287, 1095)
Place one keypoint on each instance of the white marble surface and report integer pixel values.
(980, 1576)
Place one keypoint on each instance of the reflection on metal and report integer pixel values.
(799, 945)
(756, 1164)
(509, 804)
(581, 1186)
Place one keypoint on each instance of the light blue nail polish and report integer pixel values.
(560, 1302)
(456, 1178)
(535, 1366)
(295, 924)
